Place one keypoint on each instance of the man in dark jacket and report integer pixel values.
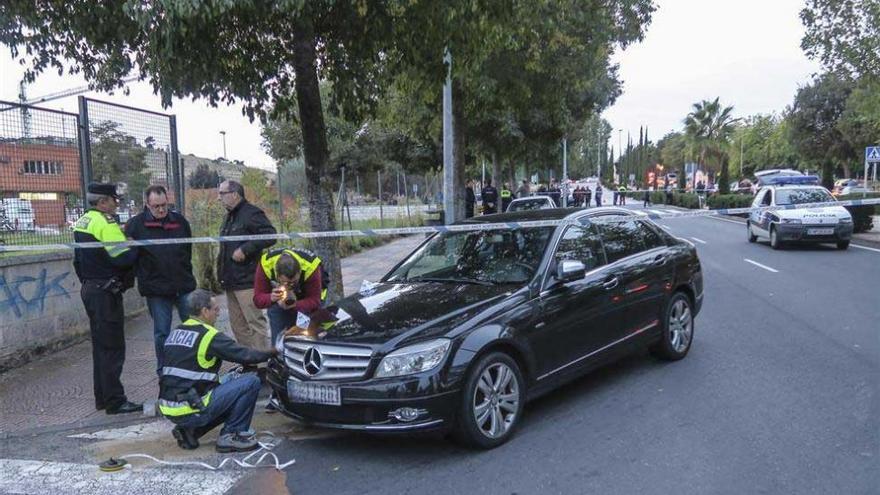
(490, 198)
(237, 263)
(555, 193)
(164, 272)
(193, 395)
(469, 199)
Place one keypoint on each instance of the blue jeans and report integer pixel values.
(232, 402)
(160, 311)
(280, 319)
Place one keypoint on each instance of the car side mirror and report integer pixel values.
(568, 270)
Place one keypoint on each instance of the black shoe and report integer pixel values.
(186, 438)
(125, 408)
(100, 407)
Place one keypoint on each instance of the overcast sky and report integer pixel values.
(747, 52)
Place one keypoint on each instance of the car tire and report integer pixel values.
(678, 329)
(843, 245)
(775, 243)
(752, 237)
(483, 421)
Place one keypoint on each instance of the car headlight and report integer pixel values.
(846, 220)
(791, 220)
(413, 359)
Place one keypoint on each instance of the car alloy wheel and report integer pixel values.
(775, 243)
(496, 400)
(752, 236)
(492, 402)
(678, 329)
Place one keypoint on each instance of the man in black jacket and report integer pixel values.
(490, 198)
(237, 264)
(164, 272)
(193, 395)
(469, 199)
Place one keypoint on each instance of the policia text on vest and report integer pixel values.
(105, 273)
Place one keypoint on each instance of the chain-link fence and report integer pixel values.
(41, 186)
(132, 147)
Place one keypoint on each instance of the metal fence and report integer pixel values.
(41, 177)
(132, 147)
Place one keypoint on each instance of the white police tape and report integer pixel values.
(464, 227)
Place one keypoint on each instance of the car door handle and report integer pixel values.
(660, 259)
(611, 284)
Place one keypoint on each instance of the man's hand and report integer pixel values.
(238, 255)
(284, 305)
(277, 294)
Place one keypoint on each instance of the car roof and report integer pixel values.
(548, 214)
(536, 196)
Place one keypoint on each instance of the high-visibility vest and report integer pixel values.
(309, 264)
(506, 194)
(187, 365)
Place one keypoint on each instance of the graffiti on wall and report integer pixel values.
(26, 295)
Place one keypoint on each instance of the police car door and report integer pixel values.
(760, 220)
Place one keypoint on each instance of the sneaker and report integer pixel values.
(271, 408)
(186, 438)
(236, 442)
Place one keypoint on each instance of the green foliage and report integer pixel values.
(844, 35)
(204, 178)
(709, 128)
(205, 214)
(117, 157)
(725, 201)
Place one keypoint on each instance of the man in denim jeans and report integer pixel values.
(164, 272)
(191, 394)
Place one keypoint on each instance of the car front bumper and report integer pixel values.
(801, 233)
(367, 405)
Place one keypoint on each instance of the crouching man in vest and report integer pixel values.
(190, 392)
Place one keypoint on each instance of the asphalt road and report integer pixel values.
(779, 394)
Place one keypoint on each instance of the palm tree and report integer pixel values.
(709, 129)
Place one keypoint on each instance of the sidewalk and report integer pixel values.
(55, 391)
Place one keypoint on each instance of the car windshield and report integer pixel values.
(479, 257)
(801, 196)
(528, 204)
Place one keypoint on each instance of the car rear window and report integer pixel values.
(621, 237)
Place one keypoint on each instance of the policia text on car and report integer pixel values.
(105, 273)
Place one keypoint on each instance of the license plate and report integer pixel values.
(313, 393)
(820, 231)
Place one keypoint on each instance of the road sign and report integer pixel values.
(872, 154)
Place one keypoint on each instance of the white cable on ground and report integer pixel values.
(267, 444)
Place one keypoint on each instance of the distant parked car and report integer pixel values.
(531, 203)
(19, 214)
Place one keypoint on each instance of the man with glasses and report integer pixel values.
(237, 263)
(164, 272)
(102, 272)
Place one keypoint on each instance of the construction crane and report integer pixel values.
(63, 94)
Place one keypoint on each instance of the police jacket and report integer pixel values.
(311, 290)
(105, 262)
(244, 219)
(490, 196)
(164, 270)
(193, 354)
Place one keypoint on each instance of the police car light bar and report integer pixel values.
(784, 180)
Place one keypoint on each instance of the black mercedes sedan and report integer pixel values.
(473, 324)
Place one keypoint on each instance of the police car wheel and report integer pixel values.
(678, 329)
(752, 237)
(842, 245)
(775, 243)
(491, 402)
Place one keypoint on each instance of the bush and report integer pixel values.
(863, 220)
(725, 201)
(686, 200)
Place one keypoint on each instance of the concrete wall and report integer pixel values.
(40, 306)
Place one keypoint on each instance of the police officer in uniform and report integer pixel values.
(490, 198)
(193, 395)
(104, 273)
(506, 197)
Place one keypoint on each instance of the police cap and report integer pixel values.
(103, 189)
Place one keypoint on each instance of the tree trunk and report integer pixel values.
(724, 186)
(458, 144)
(496, 171)
(828, 175)
(311, 117)
(511, 170)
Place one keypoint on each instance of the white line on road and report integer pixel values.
(656, 212)
(865, 247)
(699, 240)
(761, 266)
(25, 476)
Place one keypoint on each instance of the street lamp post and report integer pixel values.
(223, 136)
(619, 152)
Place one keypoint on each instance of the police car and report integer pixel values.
(826, 224)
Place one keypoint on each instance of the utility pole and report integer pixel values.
(448, 157)
(564, 187)
(223, 137)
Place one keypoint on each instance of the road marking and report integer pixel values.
(699, 240)
(657, 212)
(865, 247)
(26, 476)
(727, 220)
(761, 266)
